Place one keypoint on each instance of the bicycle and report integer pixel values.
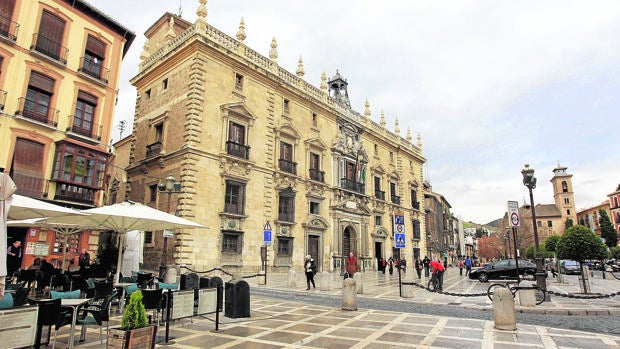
(541, 294)
(433, 283)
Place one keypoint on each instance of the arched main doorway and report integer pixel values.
(349, 242)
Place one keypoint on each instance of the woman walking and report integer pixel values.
(310, 267)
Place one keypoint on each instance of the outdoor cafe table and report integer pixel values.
(75, 304)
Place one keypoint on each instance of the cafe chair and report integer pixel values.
(50, 314)
(152, 300)
(145, 280)
(28, 276)
(103, 289)
(95, 314)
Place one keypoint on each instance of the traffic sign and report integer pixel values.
(267, 233)
(400, 240)
(513, 214)
(399, 222)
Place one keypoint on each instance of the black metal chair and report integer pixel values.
(96, 313)
(152, 300)
(50, 314)
(145, 280)
(103, 289)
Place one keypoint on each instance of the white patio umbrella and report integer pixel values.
(124, 217)
(7, 188)
(24, 207)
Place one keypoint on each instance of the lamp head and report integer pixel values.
(528, 177)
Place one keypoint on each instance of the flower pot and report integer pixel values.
(139, 338)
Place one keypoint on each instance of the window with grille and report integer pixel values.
(286, 207)
(231, 242)
(285, 246)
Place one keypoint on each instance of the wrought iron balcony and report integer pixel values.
(36, 111)
(352, 185)
(8, 28)
(49, 48)
(395, 199)
(287, 166)
(153, 149)
(380, 194)
(83, 127)
(238, 150)
(93, 68)
(317, 175)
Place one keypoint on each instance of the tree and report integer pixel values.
(580, 243)
(552, 242)
(607, 229)
(569, 223)
(614, 252)
(490, 247)
(530, 253)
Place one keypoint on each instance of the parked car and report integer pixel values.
(503, 269)
(570, 267)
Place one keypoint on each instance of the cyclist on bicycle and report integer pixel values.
(438, 269)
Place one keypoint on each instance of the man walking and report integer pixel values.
(467, 265)
(426, 263)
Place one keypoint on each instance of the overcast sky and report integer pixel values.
(489, 85)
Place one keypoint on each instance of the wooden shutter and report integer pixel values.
(87, 97)
(95, 47)
(6, 13)
(28, 165)
(52, 27)
(41, 82)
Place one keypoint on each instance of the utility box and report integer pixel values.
(237, 299)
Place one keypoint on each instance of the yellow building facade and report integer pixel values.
(264, 158)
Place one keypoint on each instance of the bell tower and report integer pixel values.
(338, 89)
(563, 193)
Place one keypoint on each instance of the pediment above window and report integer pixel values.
(315, 143)
(316, 222)
(379, 169)
(380, 233)
(235, 168)
(237, 111)
(287, 130)
(413, 183)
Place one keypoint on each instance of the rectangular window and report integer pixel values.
(153, 193)
(49, 37)
(391, 156)
(234, 197)
(314, 208)
(38, 97)
(148, 237)
(286, 106)
(164, 84)
(549, 224)
(27, 168)
(286, 208)
(235, 144)
(416, 229)
(84, 114)
(539, 224)
(79, 165)
(94, 54)
(378, 220)
(238, 82)
(285, 246)
(414, 200)
(315, 168)
(376, 150)
(286, 158)
(7, 27)
(147, 94)
(231, 242)
(314, 121)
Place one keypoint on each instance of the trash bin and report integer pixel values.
(237, 299)
(189, 281)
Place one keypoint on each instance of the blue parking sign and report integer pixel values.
(267, 236)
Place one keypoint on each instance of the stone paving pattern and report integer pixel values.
(293, 323)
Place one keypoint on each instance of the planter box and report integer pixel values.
(141, 338)
(18, 327)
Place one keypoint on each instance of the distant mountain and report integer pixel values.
(494, 223)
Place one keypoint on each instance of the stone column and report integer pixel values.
(324, 281)
(349, 296)
(290, 282)
(359, 282)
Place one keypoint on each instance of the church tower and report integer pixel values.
(563, 193)
(338, 89)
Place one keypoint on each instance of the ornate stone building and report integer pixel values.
(256, 148)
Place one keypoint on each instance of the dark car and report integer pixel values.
(503, 269)
(570, 267)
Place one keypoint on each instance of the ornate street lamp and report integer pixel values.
(170, 186)
(530, 182)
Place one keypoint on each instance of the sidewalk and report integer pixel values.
(276, 323)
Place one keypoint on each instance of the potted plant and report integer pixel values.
(134, 331)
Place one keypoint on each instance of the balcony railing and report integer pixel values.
(352, 185)
(287, 166)
(317, 175)
(84, 127)
(153, 149)
(2, 99)
(37, 111)
(395, 199)
(75, 193)
(94, 69)
(415, 204)
(380, 194)
(28, 185)
(238, 150)
(8, 28)
(49, 47)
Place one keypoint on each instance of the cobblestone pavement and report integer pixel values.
(287, 316)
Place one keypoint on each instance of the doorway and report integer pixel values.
(313, 250)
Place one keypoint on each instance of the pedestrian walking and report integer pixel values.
(383, 265)
(461, 265)
(426, 263)
(350, 266)
(467, 266)
(310, 267)
(391, 265)
(418, 267)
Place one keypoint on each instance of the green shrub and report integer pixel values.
(135, 313)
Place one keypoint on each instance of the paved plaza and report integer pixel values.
(283, 316)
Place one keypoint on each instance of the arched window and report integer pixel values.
(564, 187)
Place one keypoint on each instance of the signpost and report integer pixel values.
(515, 221)
(399, 229)
(267, 233)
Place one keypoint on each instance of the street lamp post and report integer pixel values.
(530, 182)
(171, 186)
